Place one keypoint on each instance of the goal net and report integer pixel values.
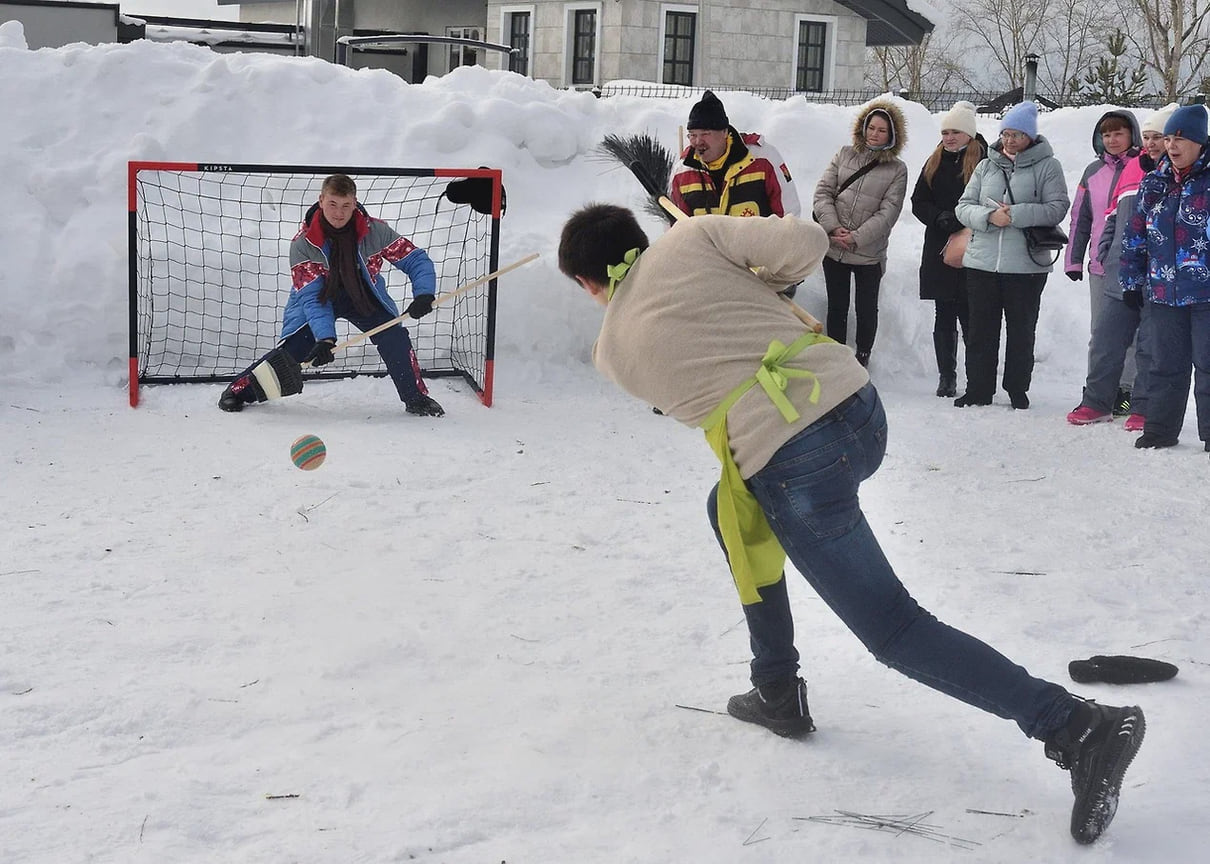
(210, 266)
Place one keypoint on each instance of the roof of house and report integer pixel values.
(890, 22)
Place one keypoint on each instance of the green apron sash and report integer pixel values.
(756, 557)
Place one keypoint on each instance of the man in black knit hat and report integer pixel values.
(730, 173)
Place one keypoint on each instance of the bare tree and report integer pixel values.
(927, 66)
(1071, 42)
(1173, 41)
(1009, 29)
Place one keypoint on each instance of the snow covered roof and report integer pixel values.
(893, 22)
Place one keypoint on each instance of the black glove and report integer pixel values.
(321, 354)
(420, 306)
(1133, 299)
(1075, 275)
(948, 222)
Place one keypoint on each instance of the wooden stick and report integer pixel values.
(443, 298)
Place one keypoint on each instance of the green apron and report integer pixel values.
(756, 557)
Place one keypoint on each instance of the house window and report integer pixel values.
(463, 55)
(583, 46)
(518, 38)
(811, 66)
(679, 29)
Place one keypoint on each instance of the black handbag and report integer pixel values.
(1040, 238)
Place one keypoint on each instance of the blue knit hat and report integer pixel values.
(1188, 122)
(1023, 117)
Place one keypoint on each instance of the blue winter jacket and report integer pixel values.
(377, 244)
(1166, 246)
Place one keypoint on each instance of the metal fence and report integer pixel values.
(986, 102)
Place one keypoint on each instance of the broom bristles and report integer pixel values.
(646, 150)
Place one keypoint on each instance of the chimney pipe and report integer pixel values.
(1030, 90)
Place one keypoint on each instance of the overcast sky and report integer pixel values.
(208, 9)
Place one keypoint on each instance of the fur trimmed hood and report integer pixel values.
(898, 128)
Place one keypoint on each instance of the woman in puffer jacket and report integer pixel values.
(1019, 185)
(857, 201)
(942, 179)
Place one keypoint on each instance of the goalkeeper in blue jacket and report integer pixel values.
(336, 261)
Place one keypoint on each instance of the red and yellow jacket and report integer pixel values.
(749, 179)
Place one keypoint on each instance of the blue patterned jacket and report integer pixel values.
(1166, 246)
(378, 244)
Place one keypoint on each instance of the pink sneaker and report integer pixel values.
(1084, 415)
(1134, 423)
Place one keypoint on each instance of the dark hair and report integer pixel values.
(596, 236)
(341, 185)
(1114, 122)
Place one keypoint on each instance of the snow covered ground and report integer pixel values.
(483, 638)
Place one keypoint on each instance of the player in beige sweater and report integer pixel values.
(695, 326)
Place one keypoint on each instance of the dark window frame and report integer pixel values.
(810, 72)
(583, 46)
(519, 62)
(679, 47)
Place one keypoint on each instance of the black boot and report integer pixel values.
(967, 399)
(1148, 441)
(1097, 746)
(240, 392)
(425, 406)
(945, 345)
(1020, 400)
(780, 706)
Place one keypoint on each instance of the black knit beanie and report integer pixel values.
(708, 114)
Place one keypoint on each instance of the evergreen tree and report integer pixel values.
(1111, 81)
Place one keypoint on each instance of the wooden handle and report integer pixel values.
(443, 298)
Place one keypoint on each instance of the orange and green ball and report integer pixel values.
(308, 452)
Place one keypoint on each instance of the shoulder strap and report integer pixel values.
(857, 175)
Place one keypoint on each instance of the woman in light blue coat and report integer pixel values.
(1019, 185)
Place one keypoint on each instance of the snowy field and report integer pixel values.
(506, 635)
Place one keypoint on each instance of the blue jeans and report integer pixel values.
(1180, 338)
(809, 494)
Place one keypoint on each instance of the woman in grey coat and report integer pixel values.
(1019, 185)
(857, 201)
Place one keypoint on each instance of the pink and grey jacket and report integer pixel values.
(377, 244)
(1093, 195)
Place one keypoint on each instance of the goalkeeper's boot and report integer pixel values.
(1097, 746)
(239, 393)
(780, 706)
(425, 406)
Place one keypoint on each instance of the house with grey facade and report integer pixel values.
(790, 45)
(800, 45)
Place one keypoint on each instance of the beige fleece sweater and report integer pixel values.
(691, 321)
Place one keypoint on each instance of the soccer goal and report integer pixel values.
(209, 252)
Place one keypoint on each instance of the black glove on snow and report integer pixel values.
(1133, 299)
(321, 354)
(1075, 275)
(420, 306)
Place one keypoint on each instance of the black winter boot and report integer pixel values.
(947, 386)
(1097, 746)
(1148, 441)
(967, 399)
(780, 706)
(240, 392)
(425, 406)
